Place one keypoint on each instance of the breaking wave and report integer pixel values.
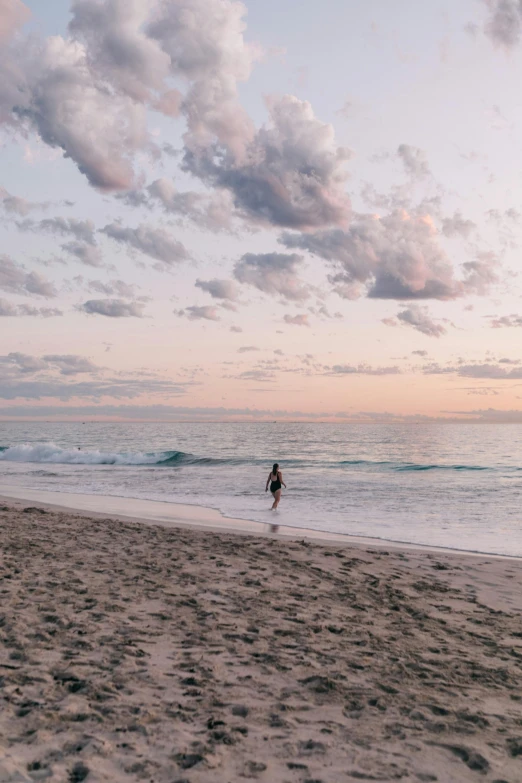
(54, 454)
(51, 453)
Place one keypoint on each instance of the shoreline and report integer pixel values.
(172, 515)
(133, 652)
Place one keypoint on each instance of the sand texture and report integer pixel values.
(133, 653)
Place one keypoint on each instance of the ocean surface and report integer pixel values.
(451, 485)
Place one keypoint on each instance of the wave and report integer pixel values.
(54, 454)
(403, 467)
(406, 467)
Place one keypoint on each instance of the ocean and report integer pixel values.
(451, 485)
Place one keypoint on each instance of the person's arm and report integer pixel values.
(281, 479)
(267, 483)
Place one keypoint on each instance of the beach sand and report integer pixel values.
(139, 653)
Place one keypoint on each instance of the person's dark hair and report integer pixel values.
(275, 468)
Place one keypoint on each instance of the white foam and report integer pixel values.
(54, 454)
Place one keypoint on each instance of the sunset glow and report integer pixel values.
(218, 210)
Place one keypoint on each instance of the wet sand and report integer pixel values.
(134, 652)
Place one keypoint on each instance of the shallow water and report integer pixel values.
(450, 485)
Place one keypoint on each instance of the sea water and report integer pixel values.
(439, 484)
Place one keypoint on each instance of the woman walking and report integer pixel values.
(275, 479)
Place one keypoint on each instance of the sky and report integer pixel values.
(224, 210)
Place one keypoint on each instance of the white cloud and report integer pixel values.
(154, 242)
(113, 308)
(360, 369)
(15, 279)
(219, 289)
(273, 273)
(67, 364)
(513, 320)
(15, 204)
(292, 173)
(205, 313)
(393, 257)
(419, 318)
(414, 161)
(301, 319)
(7, 309)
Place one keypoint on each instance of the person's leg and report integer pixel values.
(277, 498)
(274, 503)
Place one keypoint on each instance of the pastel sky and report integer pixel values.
(222, 210)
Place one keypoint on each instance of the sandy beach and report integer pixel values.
(132, 652)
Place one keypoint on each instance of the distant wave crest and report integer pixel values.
(51, 453)
(404, 467)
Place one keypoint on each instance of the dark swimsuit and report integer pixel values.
(275, 485)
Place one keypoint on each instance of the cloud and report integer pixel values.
(82, 230)
(83, 245)
(478, 370)
(195, 313)
(51, 87)
(219, 289)
(54, 376)
(7, 309)
(153, 412)
(414, 161)
(512, 320)
(24, 362)
(236, 329)
(504, 25)
(488, 371)
(88, 93)
(205, 43)
(113, 308)
(480, 274)
(15, 279)
(272, 273)
(360, 369)
(154, 242)
(393, 257)
(398, 197)
(419, 353)
(457, 226)
(213, 211)
(68, 364)
(120, 58)
(90, 255)
(301, 319)
(114, 288)
(292, 173)
(491, 414)
(420, 319)
(254, 375)
(247, 348)
(118, 46)
(15, 204)
(119, 388)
